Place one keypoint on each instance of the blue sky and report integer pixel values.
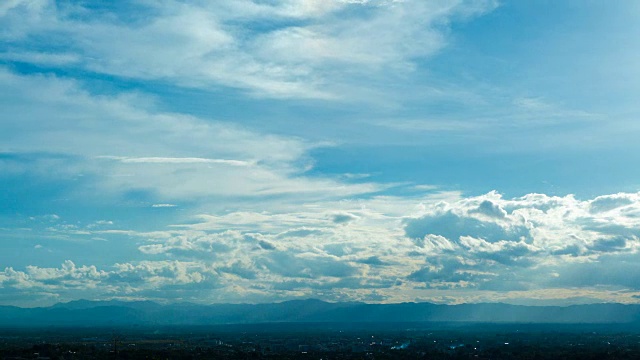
(361, 150)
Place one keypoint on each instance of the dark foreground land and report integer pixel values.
(326, 341)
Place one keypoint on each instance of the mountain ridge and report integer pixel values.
(121, 313)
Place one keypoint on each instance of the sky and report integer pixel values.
(383, 151)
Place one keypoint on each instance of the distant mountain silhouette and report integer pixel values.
(120, 313)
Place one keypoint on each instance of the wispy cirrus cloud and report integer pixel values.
(174, 160)
(110, 139)
(271, 49)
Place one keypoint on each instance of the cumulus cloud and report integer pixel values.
(305, 265)
(490, 209)
(485, 243)
(612, 202)
(122, 279)
(266, 245)
(478, 248)
(194, 244)
(515, 244)
(302, 232)
(453, 226)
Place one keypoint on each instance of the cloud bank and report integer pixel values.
(460, 249)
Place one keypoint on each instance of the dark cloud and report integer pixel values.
(609, 245)
(239, 269)
(300, 233)
(609, 202)
(452, 226)
(511, 253)
(343, 218)
(504, 285)
(297, 266)
(448, 270)
(573, 250)
(609, 228)
(342, 283)
(609, 270)
(266, 245)
(372, 260)
(490, 209)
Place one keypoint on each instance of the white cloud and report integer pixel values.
(146, 279)
(163, 205)
(485, 244)
(478, 248)
(185, 160)
(343, 218)
(537, 233)
(554, 249)
(307, 48)
(612, 202)
(125, 144)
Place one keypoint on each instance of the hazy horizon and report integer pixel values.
(380, 151)
(96, 314)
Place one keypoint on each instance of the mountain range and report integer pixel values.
(120, 313)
